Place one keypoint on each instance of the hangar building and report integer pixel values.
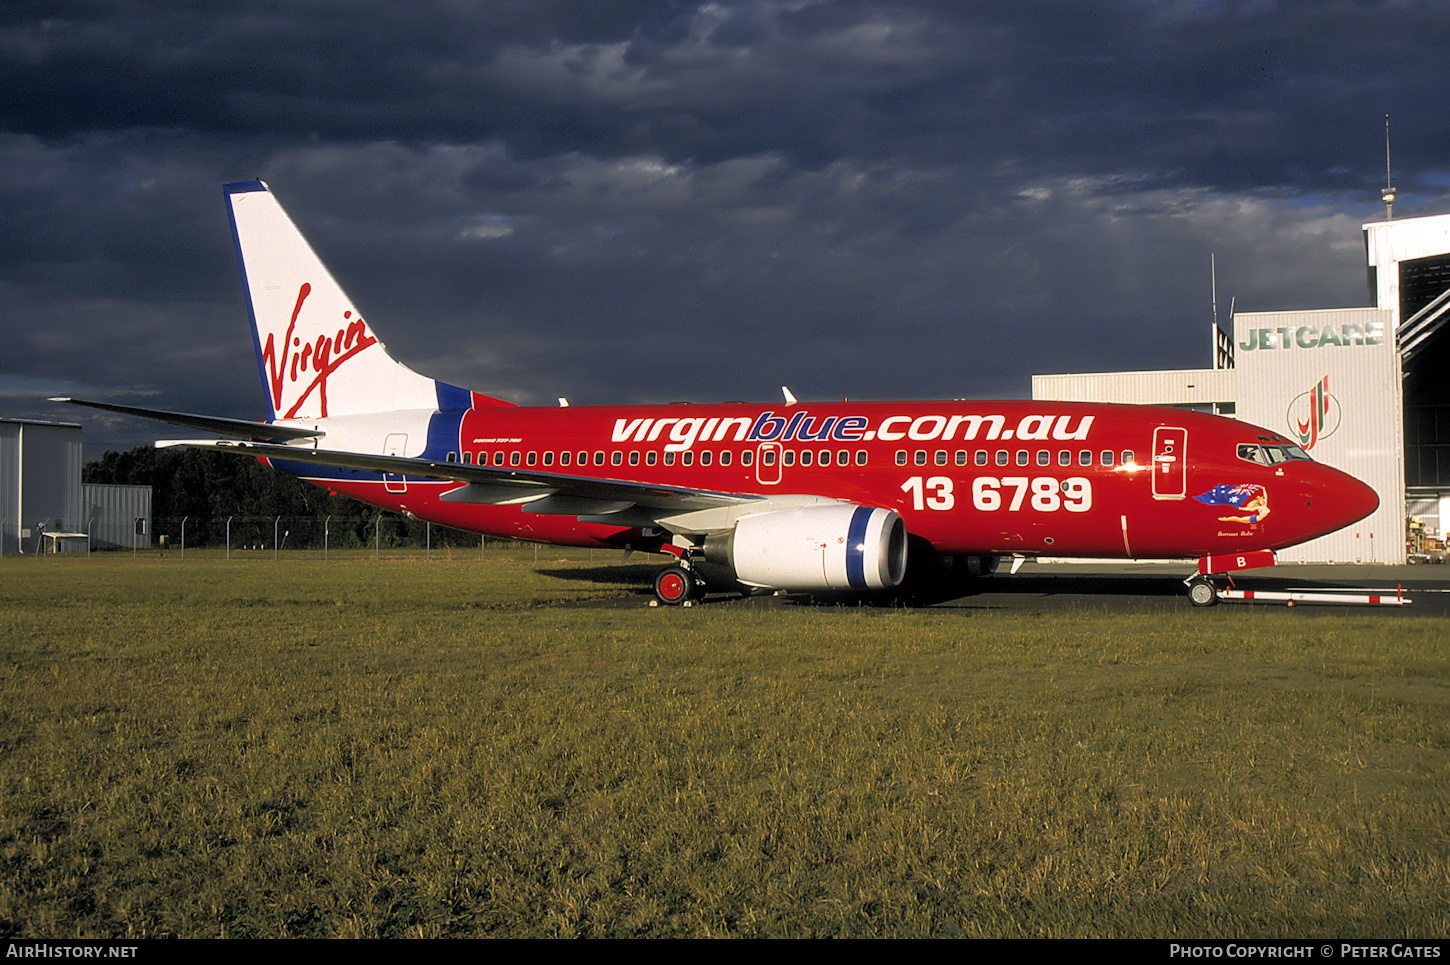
(40, 482)
(42, 496)
(1362, 389)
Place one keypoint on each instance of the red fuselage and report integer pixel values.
(1003, 477)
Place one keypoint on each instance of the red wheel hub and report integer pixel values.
(672, 586)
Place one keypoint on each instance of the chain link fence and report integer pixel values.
(274, 536)
(277, 535)
(243, 536)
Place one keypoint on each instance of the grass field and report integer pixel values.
(410, 748)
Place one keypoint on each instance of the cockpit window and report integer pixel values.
(1270, 455)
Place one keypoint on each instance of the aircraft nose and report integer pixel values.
(1345, 499)
(1365, 500)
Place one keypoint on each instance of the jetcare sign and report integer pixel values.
(1313, 336)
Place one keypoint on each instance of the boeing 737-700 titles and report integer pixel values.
(796, 496)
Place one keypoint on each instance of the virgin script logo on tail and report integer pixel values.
(321, 357)
(1314, 415)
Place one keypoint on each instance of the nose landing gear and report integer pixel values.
(1201, 591)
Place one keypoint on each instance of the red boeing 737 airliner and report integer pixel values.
(792, 496)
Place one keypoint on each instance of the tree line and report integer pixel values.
(207, 488)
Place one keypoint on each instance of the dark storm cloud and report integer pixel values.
(670, 200)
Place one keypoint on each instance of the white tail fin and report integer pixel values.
(317, 356)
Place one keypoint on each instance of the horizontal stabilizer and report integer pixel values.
(261, 431)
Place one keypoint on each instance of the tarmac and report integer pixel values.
(1127, 586)
(1142, 587)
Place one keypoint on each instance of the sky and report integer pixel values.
(666, 201)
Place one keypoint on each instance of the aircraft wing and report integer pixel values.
(541, 492)
(206, 423)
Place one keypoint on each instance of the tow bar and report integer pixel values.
(1295, 597)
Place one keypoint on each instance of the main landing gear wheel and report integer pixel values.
(1202, 593)
(674, 586)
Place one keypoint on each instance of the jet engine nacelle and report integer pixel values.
(831, 547)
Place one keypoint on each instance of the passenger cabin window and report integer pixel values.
(747, 457)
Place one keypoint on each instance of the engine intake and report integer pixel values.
(832, 547)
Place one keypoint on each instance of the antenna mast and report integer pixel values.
(1213, 284)
(1388, 194)
(1223, 345)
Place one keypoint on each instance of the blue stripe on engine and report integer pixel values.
(856, 548)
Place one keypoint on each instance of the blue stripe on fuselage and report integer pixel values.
(452, 397)
(443, 431)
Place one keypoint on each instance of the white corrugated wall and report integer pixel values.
(1280, 358)
(111, 514)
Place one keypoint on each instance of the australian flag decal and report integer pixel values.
(1226, 495)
